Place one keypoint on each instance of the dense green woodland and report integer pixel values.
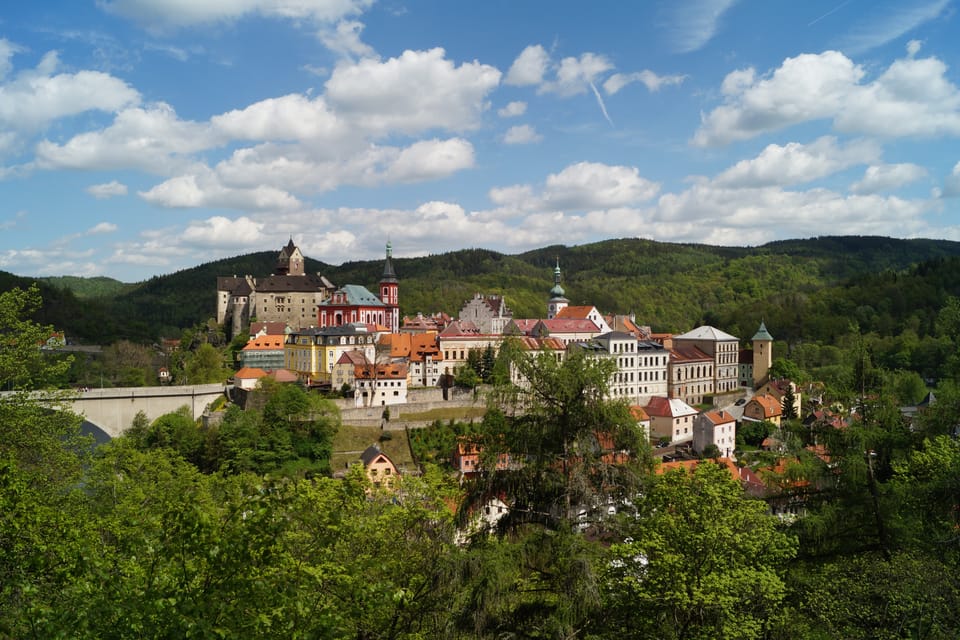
(234, 530)
(815, 286)
(819, 297)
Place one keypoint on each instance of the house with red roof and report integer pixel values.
(458, 339)
(584, 313)
(691, 376)
(671, 418)
(380, 385)
(248, 377)
(763, 407)
(718, 428)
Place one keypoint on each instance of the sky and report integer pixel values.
(142, 137)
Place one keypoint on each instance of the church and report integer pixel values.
(355, 303)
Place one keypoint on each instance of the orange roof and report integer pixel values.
(541, 344)
(249, 373)
(265, 343)
(638, 413)
(399, 344)
(743, 474)
(423, 345)
(574, 313)
(381, 371)
(720, 416)
(770, 406)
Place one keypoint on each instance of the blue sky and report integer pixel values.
(140, 137)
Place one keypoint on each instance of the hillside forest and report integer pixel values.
(235, 529)
(822, 298)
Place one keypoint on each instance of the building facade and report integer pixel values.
(723, 348)
(488, 312)
(312, 353)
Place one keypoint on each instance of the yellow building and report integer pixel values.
(312, 353)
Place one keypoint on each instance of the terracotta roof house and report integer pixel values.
(458, 339)
(248, 377)
(380, 384)
(584, 313)
(264, 351)
(763, 407)
(671, 418)
(344, 368)
(718, 428)
(778, 389)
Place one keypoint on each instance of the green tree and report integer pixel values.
(567, 439)
(700, 560)
(205, 365)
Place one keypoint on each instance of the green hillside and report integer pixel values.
(808, 289)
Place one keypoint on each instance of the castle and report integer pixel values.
(288, 295)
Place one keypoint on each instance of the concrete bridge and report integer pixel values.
(112, 410)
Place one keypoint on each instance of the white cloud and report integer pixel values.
(648, 78)
(205, 190)
(521, 134)
(513, 109)
(575, 75)
(7, 49)
(222, 232)
(107, 190)
(290, 117)
(417, 91)
(152, 139)
(911, 98)
(797, 163)
(887, 177)
(951, 185)
(185, 13)
(101, 228)
(693, 24)
(591, 185)
(430, 160)
(36, 97)
(344, 39)
(776, 213)
(529, 67)
(807, 87)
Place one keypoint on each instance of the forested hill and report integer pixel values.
(808, 289)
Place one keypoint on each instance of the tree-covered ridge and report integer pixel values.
(671, 287)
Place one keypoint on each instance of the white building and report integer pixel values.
(718, 428)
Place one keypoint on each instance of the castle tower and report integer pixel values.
(557, 300)
(762, 355)
(290, 261)
(390, 292)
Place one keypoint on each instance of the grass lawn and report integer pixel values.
(350, 441)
